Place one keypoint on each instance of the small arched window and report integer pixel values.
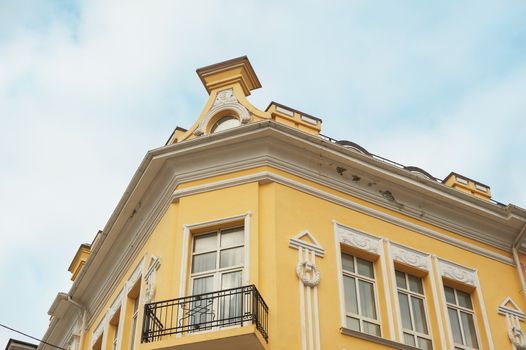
(225, 123)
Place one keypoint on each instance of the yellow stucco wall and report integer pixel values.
(279, 213)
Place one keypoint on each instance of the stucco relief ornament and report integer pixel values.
(308, 273)
(225, 96)
(149, 292)
(517, 337)
(459, 274)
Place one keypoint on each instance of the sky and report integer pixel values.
(87, 87)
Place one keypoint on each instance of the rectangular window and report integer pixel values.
(360, 295)
(461, 318)
(115, 336)
(217, 264)
(412, 311)
(135, 315)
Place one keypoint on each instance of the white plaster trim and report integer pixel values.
(115, 305)
(296, 242)
(302, 306)
(387, 291)
(309, 309)
(187, 239)
(393, 283)
(434, 287)
(316, 314)
(444, 304)
(247, 255)
(409, 256)
(266, 175)
(457, 272)
(135, 276)
(358, 239)
(285, 111)
(97, 332)
(515, 310)
(339, 274)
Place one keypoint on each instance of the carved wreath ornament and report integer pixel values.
(308, 273)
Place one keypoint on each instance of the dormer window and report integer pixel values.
(225, 123)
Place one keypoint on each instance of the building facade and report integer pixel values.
(252, 230)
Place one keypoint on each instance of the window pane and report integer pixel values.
(469, 330)
(230, 304)
(400, 280)
(419, 314)
(404, 310)
(225, 123)
(409, 339)
(367, 303)
(231, 257)
(425, 344)
(203, 243)
(231, 280)
(353, 323)
(415, 284)
(203, 285)
(230, 238)
(351, 304)
(464, 300)
(450, 295)
(371, 328)
(348, 262)
(204, 262)
(201, 310)
(365, 268)
(455, 325)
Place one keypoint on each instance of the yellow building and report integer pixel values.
(251, 230)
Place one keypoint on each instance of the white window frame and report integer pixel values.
(134, 320)
(357, 277)
(218, 272)
(468, 277)
(224, 222)
(411, 294)
(459, 309)
(373, 247)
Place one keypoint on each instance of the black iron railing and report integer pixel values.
(208, 311)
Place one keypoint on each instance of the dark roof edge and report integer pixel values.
(292, 109)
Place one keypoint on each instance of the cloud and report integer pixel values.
(87, 87)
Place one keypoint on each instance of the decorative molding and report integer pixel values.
(225, 100)
(149, 277)
(308, 273)
(224, 97)
(513, 309)
(115, 306)
(358, 239)
(297, 242)
(135, 276)
(513, 315)
(410, 257)
(97, 332)
(458, 273)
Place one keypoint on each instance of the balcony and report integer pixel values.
(207, 313)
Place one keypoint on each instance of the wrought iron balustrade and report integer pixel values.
(208, 311)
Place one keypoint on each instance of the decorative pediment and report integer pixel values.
(358, 239)
(306, 241)
(458, 273)
(509, 307)
(410, 257)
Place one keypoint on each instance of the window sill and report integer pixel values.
(375, 339)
